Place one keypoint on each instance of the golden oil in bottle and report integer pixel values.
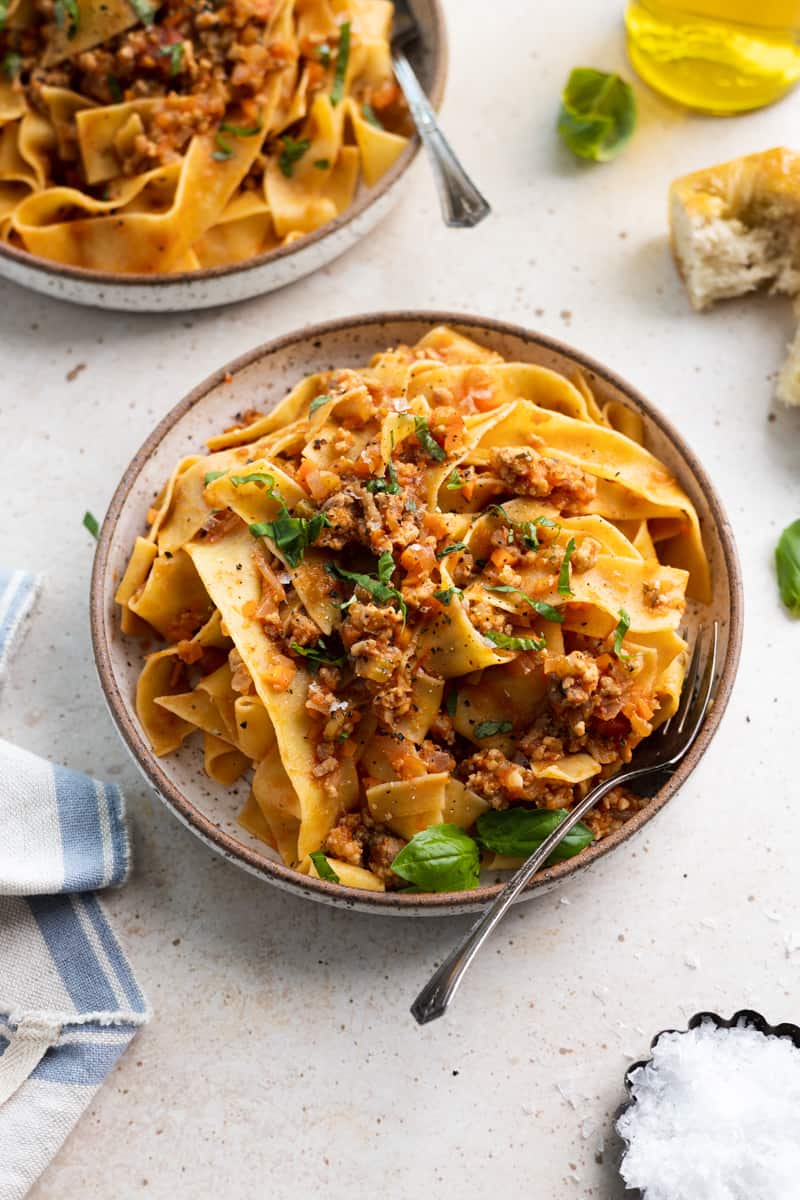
(719, 56)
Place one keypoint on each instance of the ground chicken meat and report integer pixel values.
(575, 676)
(359, 840)
(528, 473)
(502, 782)
(301, 629)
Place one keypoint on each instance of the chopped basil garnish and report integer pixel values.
(342, 59)
(115, 88)
(318, 653)
(324, 868)
(540, 606)
(598, 114)
(12, 62)
(518, 832)
(174, 52)
(370, 117)
(144, 11)
(427, 440)
(242, 130)
(506, 642)
(322, 164)
(442, 858)
(91, 523)
(446, 595)
(379, 588)
(787, 564)
(388, 484)
(454, 481)
(260, 477)
(563, 575)
(318, 403)
(210, 476)
(324, 54)
(526, 530)
(68, 16)
(623, 625)
(487, 729)
(451, 701)
(3, 12)
(451, 549)
(291, 152)
(224, 149)
(291, 535)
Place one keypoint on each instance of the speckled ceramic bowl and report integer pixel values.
(745, 1016)
(260, 379)
(266, 272)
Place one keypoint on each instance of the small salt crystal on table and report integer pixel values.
(715, 1116)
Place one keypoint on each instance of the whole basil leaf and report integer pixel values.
(517, 832)
(787, 563)
(442, 858)
(598, 114)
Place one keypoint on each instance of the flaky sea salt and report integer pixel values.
(715, 1116)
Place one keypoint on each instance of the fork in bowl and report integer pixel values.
(462, 204)
(659, 757)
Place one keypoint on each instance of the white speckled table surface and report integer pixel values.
(282, 1058)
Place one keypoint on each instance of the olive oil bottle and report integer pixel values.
(719, 56)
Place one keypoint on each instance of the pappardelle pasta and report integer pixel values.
(428, 601)
(147, 137)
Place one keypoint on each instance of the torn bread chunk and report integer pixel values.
(736, 227)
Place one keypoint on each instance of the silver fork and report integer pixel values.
(658, 756)
(462, 204)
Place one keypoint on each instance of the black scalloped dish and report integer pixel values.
(747, 1016)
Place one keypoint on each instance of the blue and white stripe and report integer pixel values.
(69, 1002)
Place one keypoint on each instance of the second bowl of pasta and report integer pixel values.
(379, 631)
(164, 156)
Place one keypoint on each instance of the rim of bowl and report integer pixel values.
(438, 48)
(398, 902)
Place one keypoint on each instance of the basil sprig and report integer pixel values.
(787, 565)
(598, 114)
(540, 606)
(324, 868)
(442, 858)
(342, 59)
(517, 832)
(378, 586)
(291, 152)
(427, 441)
(623, 625)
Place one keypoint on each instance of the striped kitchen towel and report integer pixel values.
(69, 1003)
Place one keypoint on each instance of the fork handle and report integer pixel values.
(433, 1000)
(462, 204)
